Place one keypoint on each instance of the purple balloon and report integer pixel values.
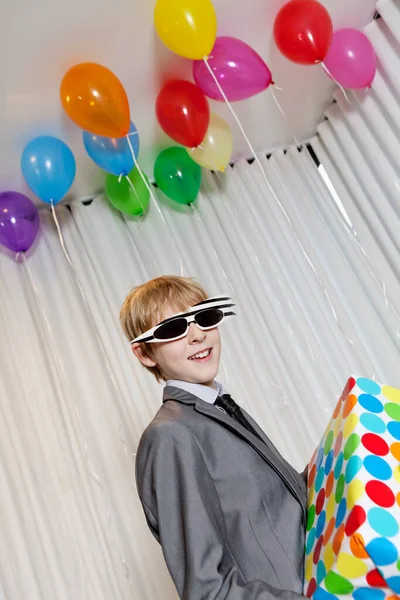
(19, 221)
(240, 71)
(351, 59)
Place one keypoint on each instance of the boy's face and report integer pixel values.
(193, 358)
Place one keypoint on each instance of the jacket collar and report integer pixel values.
(180, 395)
(266, 450)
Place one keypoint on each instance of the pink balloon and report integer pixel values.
(351, 59)
(240, 71)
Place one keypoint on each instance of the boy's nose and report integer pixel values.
(195, 334)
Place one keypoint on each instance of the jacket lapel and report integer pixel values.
(266, 450)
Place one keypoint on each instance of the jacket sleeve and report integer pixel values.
(304, 474)
(184, 513)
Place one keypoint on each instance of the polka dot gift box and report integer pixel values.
(353, 525)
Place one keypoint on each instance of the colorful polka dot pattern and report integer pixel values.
(353, 525)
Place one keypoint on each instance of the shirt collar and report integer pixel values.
(204, 392)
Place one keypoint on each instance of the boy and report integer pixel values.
(227, 509)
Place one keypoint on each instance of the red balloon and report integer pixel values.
(183, 113)
(303, 31)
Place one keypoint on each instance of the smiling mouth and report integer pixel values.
(203, 356)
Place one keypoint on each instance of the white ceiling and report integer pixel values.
(43, 38)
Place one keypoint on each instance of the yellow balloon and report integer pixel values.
(187, 27)
(215, 151)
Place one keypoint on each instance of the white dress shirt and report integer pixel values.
(204, 392)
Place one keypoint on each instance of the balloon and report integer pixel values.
(351, 59)
(216, 149)
(49, 168)
(240, 71)
(95, 99)
(187, 27)
(177, 175)
(303, 31)
(19, 221)
(183, 112)
(128, 194)
(112, 154)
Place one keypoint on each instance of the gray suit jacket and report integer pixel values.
(227, 509)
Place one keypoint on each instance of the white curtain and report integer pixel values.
(313, 308)
(359, 146)
(319, 299)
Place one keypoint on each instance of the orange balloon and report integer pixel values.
(95, 99)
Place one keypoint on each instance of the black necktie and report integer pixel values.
(233, 410)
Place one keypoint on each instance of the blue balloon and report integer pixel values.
(113, 154)
(49, 168)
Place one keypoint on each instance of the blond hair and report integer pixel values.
(144, 306)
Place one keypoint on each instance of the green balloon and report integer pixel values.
(128, 194)
(177, 175)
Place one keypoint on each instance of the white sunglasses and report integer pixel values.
(206, 314)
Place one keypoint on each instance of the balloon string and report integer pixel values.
(154, 201)
(60, 235)
(55, 362)
(279, 203)
(284, 116)
(133, 187)
(136, 194)
(36, 291)
(243, 133)
(327, 71)
(32, 281)
(140, 171)
(221, 91)
(86, 303)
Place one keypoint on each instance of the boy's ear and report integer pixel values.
(142, 355)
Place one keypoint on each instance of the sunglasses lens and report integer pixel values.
(171, 330)
(209, 318)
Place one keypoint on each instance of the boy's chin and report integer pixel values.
(204, 378)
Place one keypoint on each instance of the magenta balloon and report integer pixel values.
(240, 71)
(19, 221)
(351, 59)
